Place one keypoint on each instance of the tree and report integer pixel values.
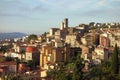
(91, 24)
(115, 61)
(105, 66)
(31, 64)
(52, 73)
(59, 74)
(44, 35)
(32, 37)
(5, 48)
(77, 71)
(11, 76)
(96, 73)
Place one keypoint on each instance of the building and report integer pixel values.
(66, 23)
(90, 39)
(100, 53)
(32, 53)
(87, 40)
(58, 43)
(60, 34)
(53, 30)
(10, 66)
(22, 68)
(73, 40)
(86, 52)
(82, 28)
(114, 39)
(15, 55)
(71, 30)
(19, 48)
(104, 41)
(50, 56)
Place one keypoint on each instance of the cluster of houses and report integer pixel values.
(60, 45)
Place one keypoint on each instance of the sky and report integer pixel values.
(38, 16)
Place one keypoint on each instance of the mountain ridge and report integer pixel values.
(11, 35)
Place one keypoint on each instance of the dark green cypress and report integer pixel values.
(115, 61)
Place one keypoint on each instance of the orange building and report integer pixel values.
(32, 53)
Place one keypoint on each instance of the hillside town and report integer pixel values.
(32, 57)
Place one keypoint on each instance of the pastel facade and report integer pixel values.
(100, 53)
(32, 53)
(50, 56)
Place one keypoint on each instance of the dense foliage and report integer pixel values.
(115, 61)
(5, 48)
(32, 37)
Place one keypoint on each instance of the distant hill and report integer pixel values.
(11, 35)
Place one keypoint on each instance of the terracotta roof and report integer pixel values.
(31, 49)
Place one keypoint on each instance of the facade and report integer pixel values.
(60, 34)
(82, 28)
(53, 30)
(72, 40)
(19, 48)
(86, 52)
(9, 66)
(90, 39)
(71, 30)
(46, 55)
(50, 56)
(15, 55)
(104, 41)
(58, 43)
(100, 53)
(87, 40)
(32, 53)
(114, 40)
(22, 68)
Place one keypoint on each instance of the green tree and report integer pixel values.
(31, 64)
(115, 61)
(5, 48)
(52, 73)
(59, 73)
(44, 35)
(32, 37)
(105, 66)
(11, 76)
(77, 71)
(96, 73)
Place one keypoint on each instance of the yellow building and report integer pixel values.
(51, 56)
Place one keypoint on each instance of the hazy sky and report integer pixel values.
(38, 16)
